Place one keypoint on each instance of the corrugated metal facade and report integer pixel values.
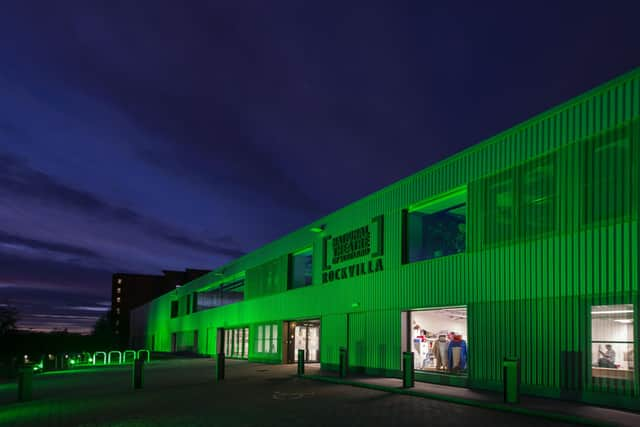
(529, 275)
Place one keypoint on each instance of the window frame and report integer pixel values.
(467, 373)
(445, 202)
(516, 175)
(264, 345)
(175, 308)
(602, 382)
(291, 275)
(628, 131)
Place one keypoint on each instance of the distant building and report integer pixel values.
(132, 290)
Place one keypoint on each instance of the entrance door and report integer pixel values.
(304, 335)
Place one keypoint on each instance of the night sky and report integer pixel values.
(151, 135)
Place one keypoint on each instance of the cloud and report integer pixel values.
(47, 309)
(86, 308)
(40, 245)
(19, 181)
(18, 272)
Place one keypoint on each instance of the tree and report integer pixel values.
(103, 326)
(8, 319)
(103, 330)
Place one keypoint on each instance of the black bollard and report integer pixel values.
(137, 378)
(220, 366)
(408, 374)
(25, 382)
(343, 369)
(511, 378)
(300, 362)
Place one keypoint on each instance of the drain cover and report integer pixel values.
(290, 396)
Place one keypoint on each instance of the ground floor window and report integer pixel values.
(438, 339)
(612, 334)
(267, 339)
(236, 343)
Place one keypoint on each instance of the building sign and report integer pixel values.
(354, 253)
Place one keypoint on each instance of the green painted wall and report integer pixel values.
(529, 295)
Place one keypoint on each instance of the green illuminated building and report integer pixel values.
(524, 245)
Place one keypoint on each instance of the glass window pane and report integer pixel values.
(260, 338)
(537, 198)
(301, 269)
(607, 177)
(267, 339)
(236, 342)
(499, 211)
(274, 338)
(246, 343)
(439, 340)
(438, 229)
(612, 346)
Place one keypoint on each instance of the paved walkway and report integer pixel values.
(543, 408)
(185, 393)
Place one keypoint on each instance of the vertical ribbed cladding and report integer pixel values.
(333, 335)
(374, 340)
(530, 297)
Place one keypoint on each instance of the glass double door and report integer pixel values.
(304, 335)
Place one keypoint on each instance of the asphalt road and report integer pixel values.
(184, 393)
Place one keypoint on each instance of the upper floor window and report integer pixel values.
(537, 197)
(194, 302)
(174, 309)
(437, 227)
(607, 177)
(520, 203)
(227, 293)
(499, 209)
(301, 268)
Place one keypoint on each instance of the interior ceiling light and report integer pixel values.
(623, 320)
(612, 312)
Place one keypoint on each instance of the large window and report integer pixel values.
(607, 176)
(301, 268)
(235, 343)
(438, 340)
(612, 335)
(267, 339)
(437, 228)
(521, 203)
(227, 293)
